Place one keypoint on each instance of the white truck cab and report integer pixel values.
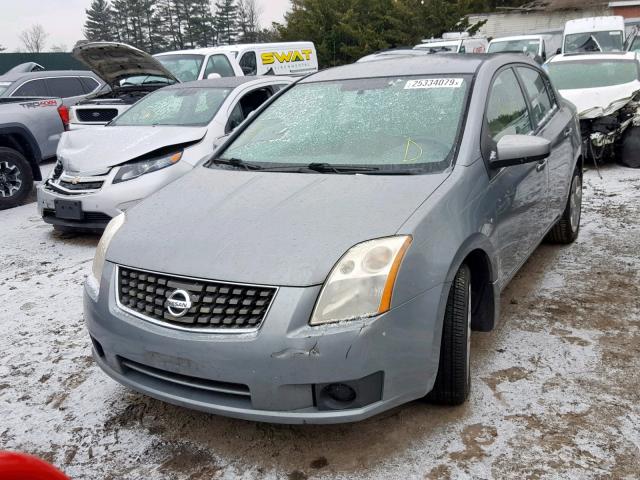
(454, 42)
(287, 58)
(531, 45)
(593, 34)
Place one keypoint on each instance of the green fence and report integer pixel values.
(50, 61)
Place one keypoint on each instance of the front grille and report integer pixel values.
(96, 114)
(187, 380)
(214, 305)
(87, 217)
(80, 186)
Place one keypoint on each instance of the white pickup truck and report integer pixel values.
(29, 132)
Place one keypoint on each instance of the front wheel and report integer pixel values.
(629, 153)
(16, 178)
(568, 226)
(453, 381)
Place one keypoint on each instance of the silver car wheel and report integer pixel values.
(575, 202)
(10, 179)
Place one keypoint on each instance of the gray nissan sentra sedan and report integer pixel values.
(330, 260)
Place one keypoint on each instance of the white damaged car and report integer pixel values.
(605, 88)
(102, 172)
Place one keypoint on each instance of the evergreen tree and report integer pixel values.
(226, 22)
(99, 23)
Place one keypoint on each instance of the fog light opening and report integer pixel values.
(340, 392)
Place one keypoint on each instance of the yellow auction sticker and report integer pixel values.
(434, 83)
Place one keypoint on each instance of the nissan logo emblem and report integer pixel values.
(178, 303)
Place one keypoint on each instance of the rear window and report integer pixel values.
(32, 88)
(592, 73)
(65, 87)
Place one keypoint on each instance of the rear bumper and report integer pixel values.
(274, 374)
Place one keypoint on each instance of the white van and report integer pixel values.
(454, 42)
(531, 45)
(289, 58)
(594, 34)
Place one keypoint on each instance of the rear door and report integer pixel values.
(554, 123)
(521, 190)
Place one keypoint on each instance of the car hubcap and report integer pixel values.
(10, 179)
(575, 202)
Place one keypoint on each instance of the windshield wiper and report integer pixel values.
(235, 162)
(328, 168)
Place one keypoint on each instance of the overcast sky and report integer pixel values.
(63, 19)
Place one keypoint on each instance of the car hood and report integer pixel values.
(282, 229)
(602, 101)
(92, 151)
(113, 62)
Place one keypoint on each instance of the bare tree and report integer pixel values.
(34, 38)
(249, 19)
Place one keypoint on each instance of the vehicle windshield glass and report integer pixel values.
(612, 41)
(395, 124)
(138, 80)
(592, 73)
(530, 47)
(185, 68)
(4, 86)
(175, 106)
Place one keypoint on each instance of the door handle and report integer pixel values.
(568, 132)
(541, 165)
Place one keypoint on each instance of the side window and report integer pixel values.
(33, 88)
(507, 112)
(247, 104)
(65, 87)
(249, 64)
(89, 84)
(235, 118)
(534, 84)
(219, 64)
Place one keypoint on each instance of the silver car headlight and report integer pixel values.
(101, 251)
(361, 283)
(132, 170)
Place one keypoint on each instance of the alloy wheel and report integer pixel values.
(575, 202)
(10, 179)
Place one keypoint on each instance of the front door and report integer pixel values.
(520, 191)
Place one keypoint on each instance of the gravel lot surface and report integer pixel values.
(555, 388)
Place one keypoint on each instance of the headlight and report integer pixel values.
(101, 251)
(361, 283)
(132, 170)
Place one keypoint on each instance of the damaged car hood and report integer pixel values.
(282, 229)
(601, 101)
(92, 151)
(114, 62)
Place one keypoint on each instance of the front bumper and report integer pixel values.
(279, 366)
(111, 200)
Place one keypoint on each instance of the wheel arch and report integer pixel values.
(17, 137)
(479, 255)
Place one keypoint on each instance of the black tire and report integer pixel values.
(16, 178)
(567, 227)
(453, 381)
(630, 150)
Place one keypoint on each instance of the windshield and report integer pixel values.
(3, 87)
(531, 47)
(611, 41)
(396, 124)
(185, 68)
(175, 106)
(592, 73)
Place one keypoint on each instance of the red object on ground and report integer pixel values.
(20, 466)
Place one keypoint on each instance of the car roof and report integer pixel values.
(13, 77)
(228, 82)
(573, 57)
(230, 48)
(517, 37)
(444, 64)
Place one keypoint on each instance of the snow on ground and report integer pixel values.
(555, 388)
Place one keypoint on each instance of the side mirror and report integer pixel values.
(211, 76)
(520, 149)
(558, 51)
